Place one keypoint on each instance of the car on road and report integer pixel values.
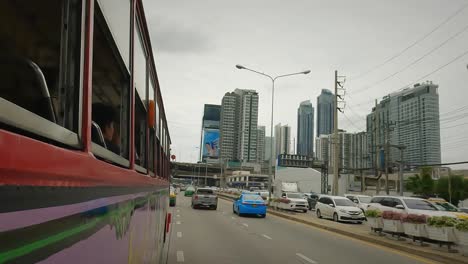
(204, 197)
(362, 201)
(407, 205)
(172, 196)
(249, 203)
(339, 208)
(189, 191)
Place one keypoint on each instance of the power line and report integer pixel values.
(415, 61)
(398, 54)
(352, 123)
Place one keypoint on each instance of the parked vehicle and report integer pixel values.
(183, 188)
(249, 203)
(339, 208)
(204, 197)
(408, 205)
(287, 197)
(172, 196)
(362, 201)
(189, 191)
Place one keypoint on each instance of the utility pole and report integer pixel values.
(376, 129)
(339, 98)
(401, 171)
(386, 153)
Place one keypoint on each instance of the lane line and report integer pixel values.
(306, 258)
(180, 256)
(178, 215)
(267, 237)
(233, 217)
(244, 224)
(178, 210)
(178, 222)
(179, 234)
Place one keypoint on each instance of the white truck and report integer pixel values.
(287, 197)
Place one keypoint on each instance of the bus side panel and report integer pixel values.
(128, 232)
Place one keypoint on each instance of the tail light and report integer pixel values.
(196, 197)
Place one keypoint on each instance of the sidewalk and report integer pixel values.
(362, 232)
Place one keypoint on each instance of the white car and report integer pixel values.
(362, 201)
(338, 208)
(407, 205)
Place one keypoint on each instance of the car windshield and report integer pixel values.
(447, 206)
(295, 195)
(343, 202)
(205, 191)
(419, 204)
(252, 197)
(364, 199)
(190, 188)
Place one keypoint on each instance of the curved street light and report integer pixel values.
(273, 79)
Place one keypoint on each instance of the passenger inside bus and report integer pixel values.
(105, 115)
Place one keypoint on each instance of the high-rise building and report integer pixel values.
(322, 148)
(261, 144)
(268, 148)
(283, 139)
(247, 125)
(325, 107)
(209, 142)
(228, 126)
(359, 151)
(408, 118)
(305, 129)
(239, 118)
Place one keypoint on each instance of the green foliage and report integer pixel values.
(423, 185)
(373, 213)
(442, 221)
(459, 188)
(462, 225)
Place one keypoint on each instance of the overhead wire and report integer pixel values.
(398, 54)
(414, 61)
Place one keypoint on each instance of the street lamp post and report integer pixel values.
(273, 79)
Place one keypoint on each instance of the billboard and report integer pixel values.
(211, 143)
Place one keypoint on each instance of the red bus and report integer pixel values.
(84, 141)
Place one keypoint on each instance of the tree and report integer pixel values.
(422, 185)
(458, 185)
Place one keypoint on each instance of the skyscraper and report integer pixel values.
(409, 118)
(239, 118)
(268, 149)
(247, 125)
(228, 126)
(305, 129)
(209, 142)
(283, 139)
(261, 144)
(325, 107)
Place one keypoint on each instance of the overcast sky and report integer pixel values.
(198, 43)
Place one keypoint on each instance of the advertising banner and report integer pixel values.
(211, 143)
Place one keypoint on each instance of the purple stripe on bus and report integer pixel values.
(20, 219)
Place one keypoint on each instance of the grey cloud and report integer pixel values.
(172, 37)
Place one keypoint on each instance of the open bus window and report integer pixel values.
(40, 51)
(141, 98)
(111, 99)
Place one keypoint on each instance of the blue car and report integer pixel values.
(249, 203)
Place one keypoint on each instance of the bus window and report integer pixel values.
(141, 98)
(152, 132)
(111, 99)
(40, 54)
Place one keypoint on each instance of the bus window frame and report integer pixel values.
(26, 122)
(96, 149)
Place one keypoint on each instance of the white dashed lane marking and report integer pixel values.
(178, 215)
(267, 237)
(244, 224)
(179, 234)
(178, 222)
(306, 258)
(180, 256)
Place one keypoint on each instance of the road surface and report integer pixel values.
(209, 236)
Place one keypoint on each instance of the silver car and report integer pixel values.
(204, 197)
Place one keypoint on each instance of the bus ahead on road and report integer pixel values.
(84, 141)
